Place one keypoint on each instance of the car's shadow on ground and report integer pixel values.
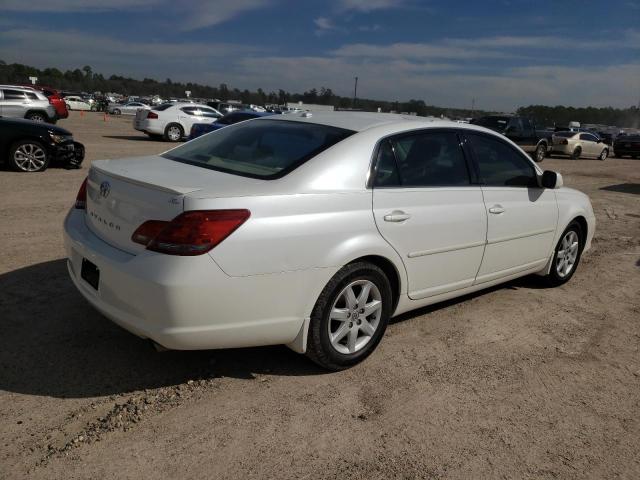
(53, 343)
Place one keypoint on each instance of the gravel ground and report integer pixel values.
(519, 381)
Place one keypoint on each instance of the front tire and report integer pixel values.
(603, 156)
(173, 132)
(28, 156)
(350, 316)
(566, 255)
(116, 111)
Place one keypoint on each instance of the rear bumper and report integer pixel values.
(188, 303)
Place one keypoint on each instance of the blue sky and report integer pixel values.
(503, 53)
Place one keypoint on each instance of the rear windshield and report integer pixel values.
(162, 107)
(494, 123)
(564, 134)
(265, 149)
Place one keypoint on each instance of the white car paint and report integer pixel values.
(129, 108)
(183, 114)
(259, 286)
(76, 103)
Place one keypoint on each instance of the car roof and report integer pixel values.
(356, 121)
(18, 87)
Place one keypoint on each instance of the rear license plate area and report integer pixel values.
(90, 273)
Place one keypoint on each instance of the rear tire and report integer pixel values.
(36, 117)
(576, 153)
(173, 132)
(116, 111)
(566, 255)
(28, 156)
(350, 316)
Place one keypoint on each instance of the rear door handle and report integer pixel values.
(397, 216)
(496, 209)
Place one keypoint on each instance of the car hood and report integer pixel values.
(31, 126)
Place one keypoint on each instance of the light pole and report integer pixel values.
(355, 93)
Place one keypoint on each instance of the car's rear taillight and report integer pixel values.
(190, 233)
(148, 231)
(152, 115)
(81, 198)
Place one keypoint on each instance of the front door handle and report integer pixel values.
(397, 216)
(496, 209)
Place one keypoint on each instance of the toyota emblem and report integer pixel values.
(105, 189)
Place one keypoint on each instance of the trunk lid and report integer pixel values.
(123, 194)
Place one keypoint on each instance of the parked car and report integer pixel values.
(579, 145)
(77, 103)
(520, 130)
(627, 145)
(313, 230)
(226, 107)
(29, 146)
(55, 99)
(25, 102)
(172, 121)
(129, 108)
(198, 129)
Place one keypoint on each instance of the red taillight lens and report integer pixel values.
(148, 231)
(81, 198)
(190, 233)
(152, 115)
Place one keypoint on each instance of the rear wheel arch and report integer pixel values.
(390, 271)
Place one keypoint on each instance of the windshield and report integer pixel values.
(264, 149)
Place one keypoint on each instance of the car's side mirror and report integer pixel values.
(551, 179)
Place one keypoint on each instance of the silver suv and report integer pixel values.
(25, 102)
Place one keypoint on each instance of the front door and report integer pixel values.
(427, 208)
(521, 216)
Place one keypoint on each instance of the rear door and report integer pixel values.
(521, 217)
(14, 103)
(428, 208)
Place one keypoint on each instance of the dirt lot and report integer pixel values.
(515, 382)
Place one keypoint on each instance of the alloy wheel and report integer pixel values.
(30, 157)
(174, 133)
(355, 316)
(567, 254)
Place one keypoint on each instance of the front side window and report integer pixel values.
(209, 113)
(266, 149)
(430, 160)
(588, 137)
(499, 164)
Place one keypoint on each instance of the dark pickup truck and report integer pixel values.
(521, 131)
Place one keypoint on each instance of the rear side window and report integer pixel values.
(13, 95)
(386, 174)
(499, 164)
(431, 159)
(266, 149)
(588, 137)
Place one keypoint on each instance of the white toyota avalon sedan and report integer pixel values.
(314, 230)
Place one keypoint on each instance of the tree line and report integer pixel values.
(86, 80)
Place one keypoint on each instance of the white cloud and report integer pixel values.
(369, 5)
(200, 14)
(323, 23)
(74, 5)
(416, 51)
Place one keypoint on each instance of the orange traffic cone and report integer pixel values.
(105, 117)
(82, 113)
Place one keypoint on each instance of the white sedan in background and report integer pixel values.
(579, 145)
(76, 103)
(129, 108)
(173, 121)
(314, 230)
